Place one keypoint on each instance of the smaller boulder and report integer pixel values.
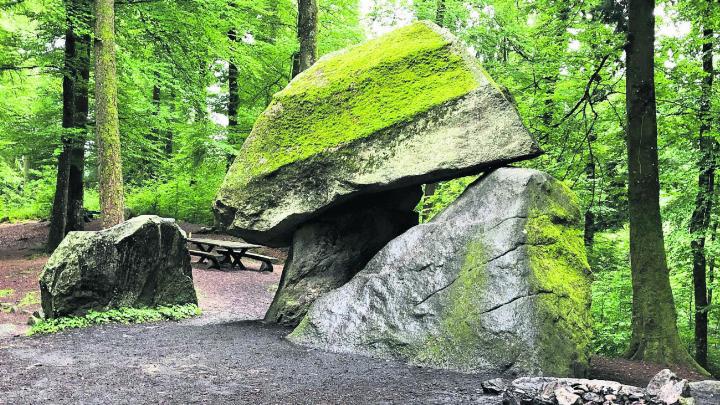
(666, 387)
(494, 386)
(142, 262)
(705, 392)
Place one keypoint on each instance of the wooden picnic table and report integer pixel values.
(232, 251)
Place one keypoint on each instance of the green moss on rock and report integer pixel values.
(559, 266)
(355, 93)
(454, 345)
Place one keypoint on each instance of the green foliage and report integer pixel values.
(6, 292)
(611, 292)
(187, 195)
(27, 199)
(121, 315)
(445, 193)
(30, 298)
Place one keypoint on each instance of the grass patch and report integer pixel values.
(121, 315)
(31, 298)
(6, 292)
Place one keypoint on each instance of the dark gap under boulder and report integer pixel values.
(327, 252)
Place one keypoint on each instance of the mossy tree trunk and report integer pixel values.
(69, 192)
(233, 98)
(700, 221)
(654, 330)
(106, 115)
(440, 13)
(307, 36)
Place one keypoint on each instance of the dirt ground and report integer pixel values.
(224, 356)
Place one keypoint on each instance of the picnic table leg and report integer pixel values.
(202, 249)
(237, 256)
(228, 256)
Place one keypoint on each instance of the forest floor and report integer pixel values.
(225, 355)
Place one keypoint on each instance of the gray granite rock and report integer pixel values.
(666, 387)
(141, 262)
(496, 282)
(705, 392)
(328, 251)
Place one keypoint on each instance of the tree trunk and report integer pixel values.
(307, 36)
(58, 217)
(68, 200)
(81, 77)
(440, 13)
(107, 128)
(700, 220)
(654, 330)
(233, 100)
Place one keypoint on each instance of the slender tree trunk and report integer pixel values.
(63, 203)
(81, 75)
(654, 330)
(169, 134)
(58, 217)
(440, 13)
(107, 128)
(307, 36)
(233, 100)
(700, 220)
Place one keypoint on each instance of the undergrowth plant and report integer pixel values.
(124, 315)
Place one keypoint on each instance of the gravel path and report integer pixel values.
(192, 362)
(220, 357)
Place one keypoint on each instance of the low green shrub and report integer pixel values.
(27, 199)
(122, 315)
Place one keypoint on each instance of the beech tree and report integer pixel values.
(69, 191)
(107, 129)
(700, 220)
(654, 330)
(307, 36)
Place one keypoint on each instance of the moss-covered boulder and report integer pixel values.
(496, 282)
(407, 108)
(142, 262)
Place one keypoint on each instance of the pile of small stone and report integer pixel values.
(664, 389)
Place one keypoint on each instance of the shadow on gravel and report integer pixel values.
(236, 362)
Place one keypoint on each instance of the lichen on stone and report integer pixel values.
(454, 345)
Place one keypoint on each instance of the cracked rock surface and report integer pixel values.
(497, 281)
(141, 262)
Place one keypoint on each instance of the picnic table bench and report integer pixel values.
(220, 252)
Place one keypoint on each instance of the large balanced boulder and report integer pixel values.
(328, 251)
(496, 282)
(142, 262)
(407, 108)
